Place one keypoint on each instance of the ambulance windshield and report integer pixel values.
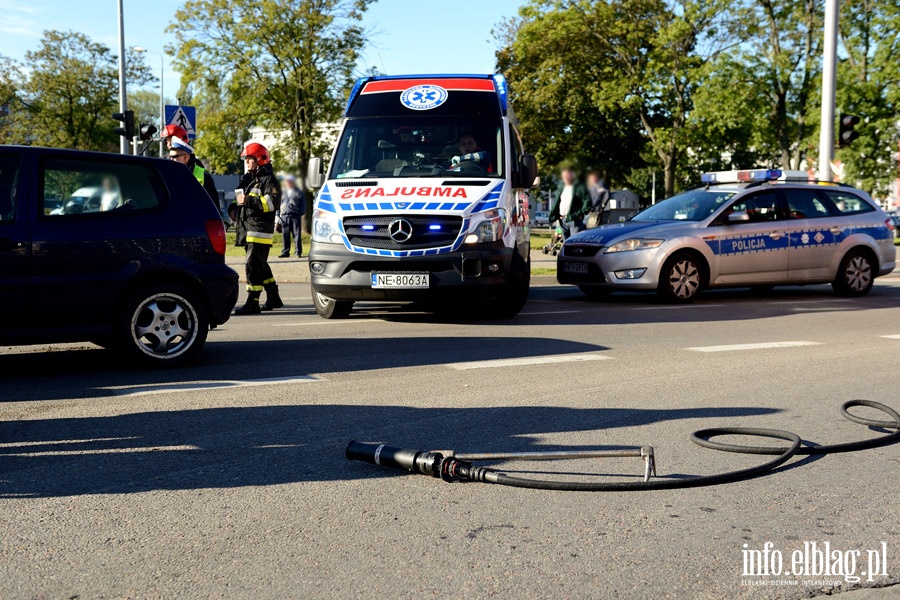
(420, 146)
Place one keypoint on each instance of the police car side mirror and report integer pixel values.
(315, 178)
(739, 216)
(528, 171)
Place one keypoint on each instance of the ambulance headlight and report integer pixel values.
(633, 244)
(486, 227)
(325, 227)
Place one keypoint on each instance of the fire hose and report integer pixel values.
(453, 467)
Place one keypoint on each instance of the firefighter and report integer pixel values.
(181, 151)
(254, 211)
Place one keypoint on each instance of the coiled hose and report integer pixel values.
(450, 469)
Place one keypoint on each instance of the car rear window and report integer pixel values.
(847, 203)
(82, 187)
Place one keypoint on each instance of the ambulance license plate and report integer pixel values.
(401, 281)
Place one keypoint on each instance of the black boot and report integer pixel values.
(251, 306)
(273, 300)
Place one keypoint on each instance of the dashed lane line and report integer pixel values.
(193, 386)
(524, 361)
(759, 346)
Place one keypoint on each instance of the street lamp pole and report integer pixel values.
(123, 97)
(829, 85)
(162, 95)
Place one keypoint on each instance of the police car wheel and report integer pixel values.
(856, 274)
(681, 279)
(329, 308)
(162, 325)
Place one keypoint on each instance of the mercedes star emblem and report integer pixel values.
(400, 230)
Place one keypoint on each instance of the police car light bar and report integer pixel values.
(754, 175)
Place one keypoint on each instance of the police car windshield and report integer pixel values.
(420, 146)
(695, 205)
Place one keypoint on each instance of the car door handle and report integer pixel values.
(836, 230)
(776, 235)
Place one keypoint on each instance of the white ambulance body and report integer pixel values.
(426, 198)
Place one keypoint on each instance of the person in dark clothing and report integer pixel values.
(290, 216)
(181, 151)
(256, 204)
(571, 202)
(599, 198)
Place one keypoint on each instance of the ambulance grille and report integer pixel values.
(428, 231)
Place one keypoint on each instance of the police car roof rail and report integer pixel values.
(821, 182)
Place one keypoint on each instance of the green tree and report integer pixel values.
(281, 64)
(868, 84)
(616, 67)
(68, 93)
(553, 85)
(775, 72)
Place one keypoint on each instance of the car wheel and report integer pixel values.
(856, 274)
(328, 308)
(164, 325)
(681, 279)
(595, 292)
(515, 293)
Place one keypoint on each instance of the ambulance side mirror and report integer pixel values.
(528, 172)
(315, 178)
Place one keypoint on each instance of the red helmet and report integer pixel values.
(174, 131)
(257, 151)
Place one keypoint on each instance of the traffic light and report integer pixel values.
(127, 118)
(846, 134)
(147, 131)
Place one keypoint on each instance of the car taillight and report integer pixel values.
(890, 224)
(216, 231)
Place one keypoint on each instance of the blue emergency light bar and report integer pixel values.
(740, 176)
(434, 227)
(368, 228)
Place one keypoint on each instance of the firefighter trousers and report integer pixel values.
(259, 274)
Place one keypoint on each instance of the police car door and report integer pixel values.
(754, 250)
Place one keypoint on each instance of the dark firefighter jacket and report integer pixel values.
(255, 221)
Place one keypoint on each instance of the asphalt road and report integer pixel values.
(210, 481)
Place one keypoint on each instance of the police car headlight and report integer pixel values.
(325, 227)
(633, 244)
(486, 227)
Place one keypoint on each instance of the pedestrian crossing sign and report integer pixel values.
(183, 116)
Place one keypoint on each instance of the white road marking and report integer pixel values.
(890, 337)
(102, 451)
(760, 346)
(525, 360)
(319, 321)
(192, 386)
(676, 307)
(809, 301)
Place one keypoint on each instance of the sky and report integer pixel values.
(408, 36)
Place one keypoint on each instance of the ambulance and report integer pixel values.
(425, 199)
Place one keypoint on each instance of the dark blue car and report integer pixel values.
(142, 272)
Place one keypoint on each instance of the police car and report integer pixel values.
(756, 228)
